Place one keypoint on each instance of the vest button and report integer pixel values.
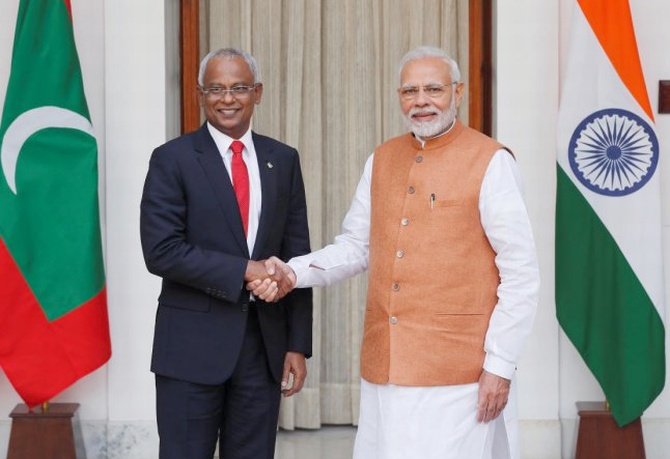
(393, 320)
(419, 159)
(410, 190)
(395, 287)
(404, 221)
(400, 254)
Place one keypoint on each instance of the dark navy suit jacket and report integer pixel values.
(192, 237)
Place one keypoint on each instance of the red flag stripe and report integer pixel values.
(42, 358)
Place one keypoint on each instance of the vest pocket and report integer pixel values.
(447, 202)
(461, 324)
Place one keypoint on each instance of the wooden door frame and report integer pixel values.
(189, 46)
(480, 65)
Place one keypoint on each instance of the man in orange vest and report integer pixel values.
(440, 222)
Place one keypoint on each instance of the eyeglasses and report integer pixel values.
(434, 91)
(235, 91)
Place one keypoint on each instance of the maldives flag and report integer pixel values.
(609, 271)
(53, 310)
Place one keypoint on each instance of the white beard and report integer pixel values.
(430, 129)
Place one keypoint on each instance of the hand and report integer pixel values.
(294, 364)
(280, 282)
(493, 395)
(255, 270)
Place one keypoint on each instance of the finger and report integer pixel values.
(298, 382)
(295, 388)
(270, 266)
(491, 414)
(299, 377)
(264, 290)
(484, 415)
(259, 286)
(482, 406)
(481, 414)
(284, 377)
(269, 294)
(492, 411)
(251, 286)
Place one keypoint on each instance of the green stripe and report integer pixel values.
(51, 226)
(604, 309)
(45, 66)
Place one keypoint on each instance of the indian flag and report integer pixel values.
(609, 271)
(53, 309)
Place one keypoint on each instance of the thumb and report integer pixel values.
(285, 375)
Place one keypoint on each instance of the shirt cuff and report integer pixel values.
(300, 267)
(499, 367)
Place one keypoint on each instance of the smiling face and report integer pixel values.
(227, 113)
(428, 116)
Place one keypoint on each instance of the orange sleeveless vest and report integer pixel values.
(432, 280)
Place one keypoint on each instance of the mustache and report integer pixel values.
(424, 111)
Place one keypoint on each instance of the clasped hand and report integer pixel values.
(269, 280)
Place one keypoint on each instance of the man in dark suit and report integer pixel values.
(211, 208)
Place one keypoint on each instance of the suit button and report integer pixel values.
(245, 307)
(393, 320)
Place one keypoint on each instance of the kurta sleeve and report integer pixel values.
(507, 226)
(348, 254)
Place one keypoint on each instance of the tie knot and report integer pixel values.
(237, 147)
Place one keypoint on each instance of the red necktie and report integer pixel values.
(241, 182)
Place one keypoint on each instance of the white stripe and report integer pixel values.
(592, 84)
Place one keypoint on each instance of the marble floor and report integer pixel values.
(329, 442)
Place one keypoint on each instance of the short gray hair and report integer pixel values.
(430, 51)
(229, 53)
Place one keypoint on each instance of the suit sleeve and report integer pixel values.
(169, 251)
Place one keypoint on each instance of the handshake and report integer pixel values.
(269, 280)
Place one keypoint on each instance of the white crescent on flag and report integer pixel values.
(30, 122)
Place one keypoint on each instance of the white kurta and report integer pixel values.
(505, 221)
(401, 422)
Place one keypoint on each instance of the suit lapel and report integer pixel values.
(268, 172)
(216, 173)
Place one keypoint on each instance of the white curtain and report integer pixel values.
(329, 72)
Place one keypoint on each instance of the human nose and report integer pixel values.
(227, 97)
(422, 97)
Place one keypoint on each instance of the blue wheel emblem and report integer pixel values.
(613, 152)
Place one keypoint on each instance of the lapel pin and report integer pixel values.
(269, 164)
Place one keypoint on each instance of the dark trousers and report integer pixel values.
(241, 413)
